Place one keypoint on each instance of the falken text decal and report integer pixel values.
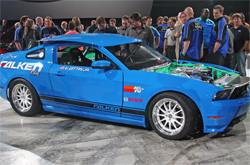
(34, 68)
(110, 108)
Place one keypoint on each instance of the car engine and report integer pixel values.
(195, 73)
(216, 76)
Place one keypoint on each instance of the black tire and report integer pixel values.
(23, 98)
(177, 122)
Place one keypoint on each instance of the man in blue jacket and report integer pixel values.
(218, 45)
(208, 26)
(192, 38)
(49, 30)
(162, 28)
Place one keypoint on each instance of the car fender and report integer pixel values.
(35, 71)
(152, 84)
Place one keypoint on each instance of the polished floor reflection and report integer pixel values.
(61, 139)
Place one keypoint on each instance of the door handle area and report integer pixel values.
(59, 73)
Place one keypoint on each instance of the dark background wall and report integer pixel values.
(172, 8)
(61, 10)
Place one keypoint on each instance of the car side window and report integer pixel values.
(80, 56)
(36, 54)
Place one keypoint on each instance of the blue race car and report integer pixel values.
(119, 79)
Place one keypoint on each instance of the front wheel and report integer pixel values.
(23, 98)
(172, 115)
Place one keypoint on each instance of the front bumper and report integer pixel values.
(228, 110)
(238, 119)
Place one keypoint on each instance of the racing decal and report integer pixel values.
(135, 100)
(125, 99)
(75, 68)
(110, 108)
(34, 68)
(132, 111)
(133, 89)
(132, 99)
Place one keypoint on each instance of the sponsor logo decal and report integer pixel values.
(134, 89)
(75, 68)
(125, 99)
(110, 108)
(135, 100)
(132, 99)
(198, 26)
(34, 68)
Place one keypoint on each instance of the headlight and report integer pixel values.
(222, 95)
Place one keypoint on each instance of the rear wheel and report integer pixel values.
(172, 115)
(23, 98)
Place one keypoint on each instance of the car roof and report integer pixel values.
(99, 39)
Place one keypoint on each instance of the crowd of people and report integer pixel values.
(224, 42)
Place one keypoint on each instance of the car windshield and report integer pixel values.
(138, 56)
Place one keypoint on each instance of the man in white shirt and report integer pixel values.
(169, 45)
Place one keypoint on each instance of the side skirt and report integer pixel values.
(142, 122)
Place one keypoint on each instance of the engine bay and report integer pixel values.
(216, 76)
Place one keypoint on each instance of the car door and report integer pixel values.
(83, 89)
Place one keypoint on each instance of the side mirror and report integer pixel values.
(101, 64)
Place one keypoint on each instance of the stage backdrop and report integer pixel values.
(58, 9)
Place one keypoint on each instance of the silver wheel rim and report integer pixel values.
(168, 116)
(22, 98)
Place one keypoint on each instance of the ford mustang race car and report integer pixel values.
(119, 79)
